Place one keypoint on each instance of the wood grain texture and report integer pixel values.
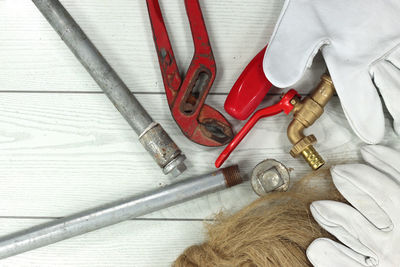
(61, 153)
(133, 243)
(65, 148)
(33, 57)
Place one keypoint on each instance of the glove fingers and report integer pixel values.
(368, 190)
(384, 159)
(347, 224)
(285, 63)
(359, 98)
(387, 80)
(327, 253)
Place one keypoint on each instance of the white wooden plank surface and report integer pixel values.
(65, 152)
(130, 243)
(121, 30)
(64, 147)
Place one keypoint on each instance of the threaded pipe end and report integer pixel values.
(232, 175)
(312, 157)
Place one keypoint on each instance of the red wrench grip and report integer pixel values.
(282, 106)
(169, 69)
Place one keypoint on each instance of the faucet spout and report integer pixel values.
(306, 112)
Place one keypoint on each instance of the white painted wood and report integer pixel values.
(133, 243)
(65, 148)
(61, 153)
(33, 57)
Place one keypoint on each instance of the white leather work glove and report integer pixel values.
(370, 228)
(359, 40)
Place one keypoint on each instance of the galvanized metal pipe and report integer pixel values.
(116, 212)
(163, 150)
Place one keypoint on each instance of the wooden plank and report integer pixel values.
(65, 152)
(133, 243)
(33, 58)
(61, 153)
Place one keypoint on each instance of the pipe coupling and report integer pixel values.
(305, 148)
(163, 149)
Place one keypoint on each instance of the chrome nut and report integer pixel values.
(270, 175)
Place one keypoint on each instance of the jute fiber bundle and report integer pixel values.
(272, 231)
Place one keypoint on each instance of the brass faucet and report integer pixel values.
(306, 112)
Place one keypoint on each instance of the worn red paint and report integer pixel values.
(199, 122)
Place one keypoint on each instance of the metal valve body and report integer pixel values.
(306, 112)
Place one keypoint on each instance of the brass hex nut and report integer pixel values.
(298, 148)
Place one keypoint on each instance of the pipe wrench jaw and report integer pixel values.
(199, 122)
(206, 127)
(215, 127)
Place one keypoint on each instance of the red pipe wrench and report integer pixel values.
(198, 121)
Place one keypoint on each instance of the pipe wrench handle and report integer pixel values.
(169, 68)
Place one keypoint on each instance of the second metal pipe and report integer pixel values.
(116, 212)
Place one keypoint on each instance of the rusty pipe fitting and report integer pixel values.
(306, 112)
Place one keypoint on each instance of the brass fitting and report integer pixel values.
(306, 112)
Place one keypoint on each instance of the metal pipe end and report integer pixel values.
(313, 158)
(163, 149)
(301, 145)
(176, 167)
(232, 175)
